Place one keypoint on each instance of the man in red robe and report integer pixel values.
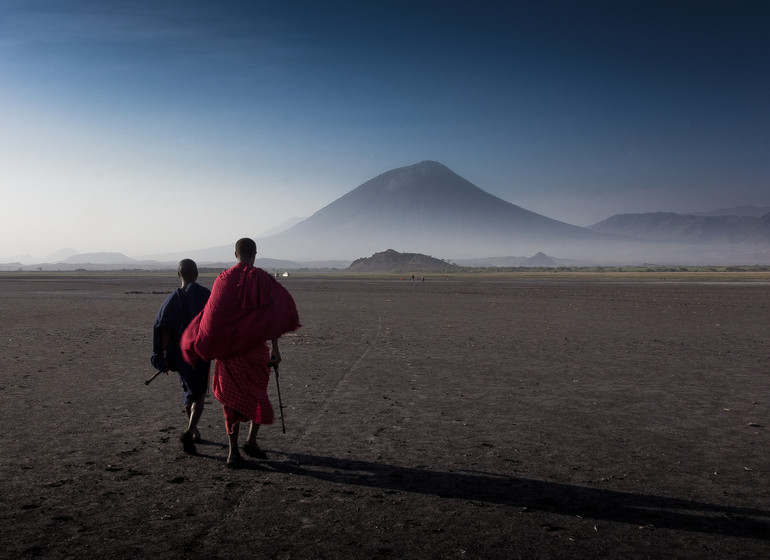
(247, 307)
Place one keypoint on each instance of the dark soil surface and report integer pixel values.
(444, 419)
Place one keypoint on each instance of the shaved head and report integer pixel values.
(187, 270)
(245, 249)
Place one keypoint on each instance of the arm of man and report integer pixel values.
(275, 355)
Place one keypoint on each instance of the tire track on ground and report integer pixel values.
(208, 541)
(323, 408)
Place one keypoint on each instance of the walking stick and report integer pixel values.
(149, 379)
(278, 385)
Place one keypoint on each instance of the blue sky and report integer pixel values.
(150, 127)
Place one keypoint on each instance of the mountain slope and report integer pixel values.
(679, 228)
(98, 258)
(757, 231)
(754, 211)
(422, 208)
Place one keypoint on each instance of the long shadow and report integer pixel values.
(562, 499)
(221, 457)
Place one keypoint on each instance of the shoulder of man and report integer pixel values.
(198, 288)
(201, 294)
(268, 278)
(164, 306)
(168, 313)
(226, 274)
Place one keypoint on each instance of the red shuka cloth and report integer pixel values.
(247, 307)
(240, 384)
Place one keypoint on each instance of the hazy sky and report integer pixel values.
(147, 127)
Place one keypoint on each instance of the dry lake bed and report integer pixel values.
(512, 417)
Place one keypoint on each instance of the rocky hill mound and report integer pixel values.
(391, 261)
(540, 260)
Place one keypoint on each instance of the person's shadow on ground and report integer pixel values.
(563, 499)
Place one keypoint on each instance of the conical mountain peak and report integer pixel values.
(424, 208)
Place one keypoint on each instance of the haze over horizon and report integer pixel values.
(119, 119)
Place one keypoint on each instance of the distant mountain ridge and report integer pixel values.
(688, 228)
(98, 258)
(31, 259)
(426, 208)
(754, 211)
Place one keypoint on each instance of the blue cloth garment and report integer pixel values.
(175, 314)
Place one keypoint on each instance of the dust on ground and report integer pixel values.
(437, 419)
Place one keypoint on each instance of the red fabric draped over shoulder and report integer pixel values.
(247, 307)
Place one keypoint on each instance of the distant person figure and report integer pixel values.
(247, 308)
(173, 317)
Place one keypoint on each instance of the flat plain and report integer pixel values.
(505, 417)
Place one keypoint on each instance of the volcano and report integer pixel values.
(423, 208)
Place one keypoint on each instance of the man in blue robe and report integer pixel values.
(180, 307)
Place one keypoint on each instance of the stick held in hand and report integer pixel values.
(149, 379)
(274, 365)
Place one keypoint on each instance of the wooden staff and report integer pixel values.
(278, 385)
(149, 379)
